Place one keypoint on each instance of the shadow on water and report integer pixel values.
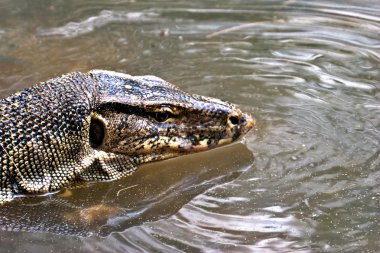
(154, 192)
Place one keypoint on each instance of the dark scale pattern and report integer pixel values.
(47, 132)
(41, 134)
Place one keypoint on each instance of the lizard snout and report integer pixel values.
(240, 123)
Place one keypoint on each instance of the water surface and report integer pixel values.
(306, 178)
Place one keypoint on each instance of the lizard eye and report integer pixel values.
(162, 116)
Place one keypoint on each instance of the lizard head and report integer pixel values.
(147, 118)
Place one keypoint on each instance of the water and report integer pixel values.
(307, 177)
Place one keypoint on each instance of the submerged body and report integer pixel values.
(101, 125)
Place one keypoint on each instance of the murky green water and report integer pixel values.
(308, 178)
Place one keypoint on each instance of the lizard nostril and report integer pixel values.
(233, 120)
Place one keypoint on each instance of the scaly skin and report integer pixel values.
(100, 126)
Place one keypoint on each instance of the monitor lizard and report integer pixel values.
(100, 125)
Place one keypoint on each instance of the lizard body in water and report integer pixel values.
(100, 126)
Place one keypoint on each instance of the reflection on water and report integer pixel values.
(154, 192)
(307, 70)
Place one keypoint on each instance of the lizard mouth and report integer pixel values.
(201, 139)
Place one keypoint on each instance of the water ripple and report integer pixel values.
(105, 17)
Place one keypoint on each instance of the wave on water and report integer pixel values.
(105, 17)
